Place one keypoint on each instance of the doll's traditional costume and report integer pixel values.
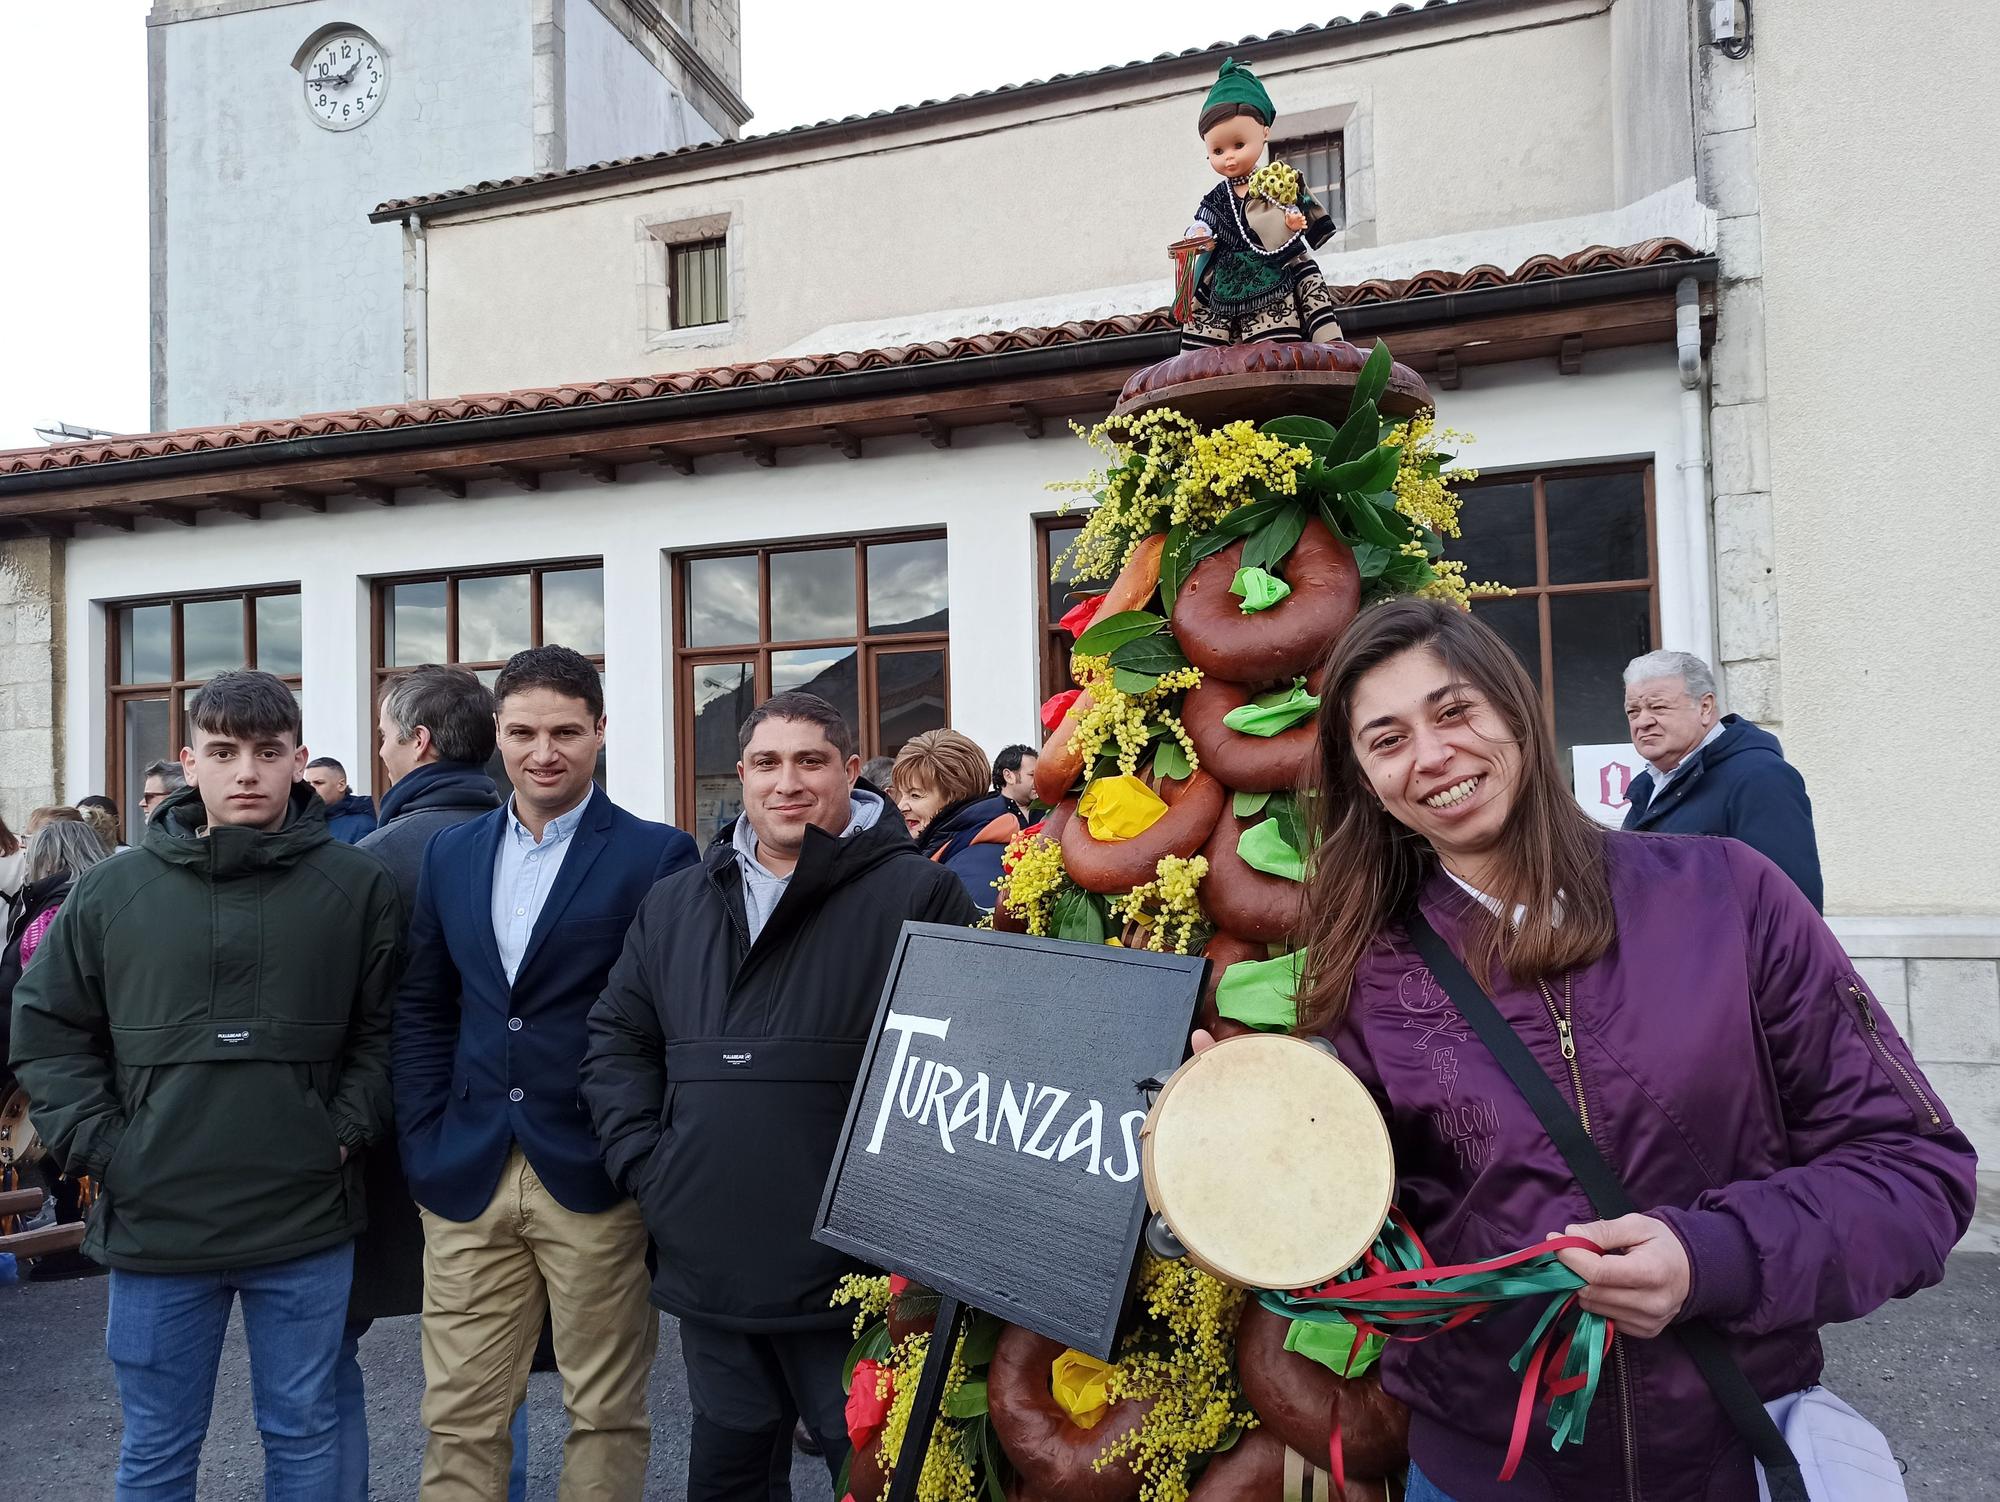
(1258, 280)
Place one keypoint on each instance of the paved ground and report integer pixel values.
(1924, 1369)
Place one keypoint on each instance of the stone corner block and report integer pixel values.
(1890, 982)
(1955, 1010)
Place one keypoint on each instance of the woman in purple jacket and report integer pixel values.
(1685, 998)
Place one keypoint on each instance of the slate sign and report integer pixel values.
(991, 1150)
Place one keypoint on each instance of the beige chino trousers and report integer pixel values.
(486, 1285)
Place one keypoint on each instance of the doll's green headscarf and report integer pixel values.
(1236, 86)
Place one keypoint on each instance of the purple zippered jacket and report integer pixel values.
(1746, 1086)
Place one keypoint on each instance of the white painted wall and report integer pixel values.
(616, 103)
(984, 491)
(1498, 118)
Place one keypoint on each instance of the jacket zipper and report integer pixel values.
(1911, 1089)
(1564, 1019)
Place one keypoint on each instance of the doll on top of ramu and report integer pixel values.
(1245, 269)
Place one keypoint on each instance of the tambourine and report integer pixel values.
(1266, 1163)
(20, 1143)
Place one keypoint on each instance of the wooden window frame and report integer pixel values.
(868, 645)
(676, 251)
(1542, 591)
(381, 601)
(174, 689)
(1052, 644)
(1290, 149)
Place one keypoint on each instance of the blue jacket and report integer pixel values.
(969, 837)
(351, 818)
(1740, 785)
(466, 1043)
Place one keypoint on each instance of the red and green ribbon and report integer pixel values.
(1398, 1293)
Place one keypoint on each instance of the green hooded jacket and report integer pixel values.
(205, 1027)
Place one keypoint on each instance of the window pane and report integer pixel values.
(1497, 535)
(906, 586)
(211, 637)
(1597, 528)
(699, 292)
(1519, 626)
(416, 624)
(721, 601)
(1595, 636)
(909, 697)
(812, 594)
(493, 618)
(826, 671)
(573, 609)
(1063, 590)
(145, 644)
(145, 741)
(720, 696)
(278, 634)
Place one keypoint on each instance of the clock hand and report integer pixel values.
(324, 80)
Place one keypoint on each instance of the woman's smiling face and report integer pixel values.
(1437, 753)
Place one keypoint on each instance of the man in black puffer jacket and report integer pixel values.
(721, 1057)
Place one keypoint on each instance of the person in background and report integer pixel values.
(772, 951)
(436, 728)
(1684, 999)
(942, 792)
(161, 781)
(519, 916)
(349, 815)
(62, 851)
(1710, 774)
(103, 825)
(48, 814)
(1014, 778)
(13, 866)
(205, 1032)
(116, 838)
(879, 772)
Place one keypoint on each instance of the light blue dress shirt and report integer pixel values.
(524, 875)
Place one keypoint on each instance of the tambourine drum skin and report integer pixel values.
(1269, 1161)
(20, 1143)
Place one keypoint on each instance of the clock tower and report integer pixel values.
(278, 124)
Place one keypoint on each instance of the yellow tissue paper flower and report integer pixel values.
(1119, 808)
(1082, 1385)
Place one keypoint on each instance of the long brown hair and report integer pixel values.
(1367, 867)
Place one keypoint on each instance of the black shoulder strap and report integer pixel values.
(1607, 1194)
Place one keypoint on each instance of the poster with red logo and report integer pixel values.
(1601, 776)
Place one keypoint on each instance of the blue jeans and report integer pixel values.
(164, 1337)
(349, 1399)
(1420, 1489)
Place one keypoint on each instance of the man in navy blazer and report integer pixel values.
(519, 916)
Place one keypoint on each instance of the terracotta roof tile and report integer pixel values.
(769, 372)
(396, 206)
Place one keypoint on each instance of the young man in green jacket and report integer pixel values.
(205, 1032)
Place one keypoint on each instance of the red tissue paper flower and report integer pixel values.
(866, 1411)
(1057, 707)
(898, 1285)
(1076, 620)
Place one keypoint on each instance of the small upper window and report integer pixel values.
(1322, 163)
(698, 283)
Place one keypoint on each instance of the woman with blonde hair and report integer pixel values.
(944, 791)
(1788, 1163)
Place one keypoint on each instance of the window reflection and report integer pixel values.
(909, 697)
(416, 624)
(721, 601)
(573, 609)
(812, 594)
(492, 618)
(826, 671)
(721, 695)
(146, 644)
(278, 635)
(906, 586)
(211, 637)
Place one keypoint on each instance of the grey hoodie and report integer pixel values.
(761, 888)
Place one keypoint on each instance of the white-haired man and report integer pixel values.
(1712, 773)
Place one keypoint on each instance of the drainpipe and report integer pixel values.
(416, 312)
(1694, 467)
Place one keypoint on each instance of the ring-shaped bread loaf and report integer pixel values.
(1246, 902)
(1110, 866)
(1248, 763)
(1297, 1398)
(1283, 641)
(1052, 1452)
(1253, 1470)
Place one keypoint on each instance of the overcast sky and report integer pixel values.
(73, 145)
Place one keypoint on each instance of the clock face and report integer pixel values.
(345, 78)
